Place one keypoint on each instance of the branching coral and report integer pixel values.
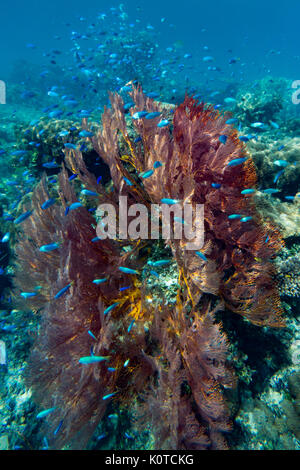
(175, 355)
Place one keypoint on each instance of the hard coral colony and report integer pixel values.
(170, 359)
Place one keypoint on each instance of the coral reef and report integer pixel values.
(271, 420)
(285, 215)
(262, 102)
(173, 358)
(266, 152)
(288, 273)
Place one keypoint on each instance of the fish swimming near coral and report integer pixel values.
(22, 217)
(93, 359)
(48, 248)
(140, 340)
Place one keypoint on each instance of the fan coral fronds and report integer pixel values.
(187, 407)
(176, 353)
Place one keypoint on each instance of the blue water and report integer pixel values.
(249, 29)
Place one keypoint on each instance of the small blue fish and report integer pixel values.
(113, 416)
(87, 192)
(277, 176)
(252, 136)
(169, 201)
(44, 413)
(93, 359)
(154, 273)
(223, 139)
(96, 239)
(85, 133)
(281, 163)
(62, 291)
(111, 369)
(201, 255)
(237, 161)
(137, 139)
(130, 326)
(124, 288)
(216, 185)
(72, 177)
(22, 217)
(50, 165)
(128, 106)
(27, 295)
(70, 146)
(246, 219)
(157, 164)
(146, 174)
(99, 179)
(92, 335)
(257, 125)
(106, 397)
(248, 191)
(127, 181)
(53, 94)
(161, 262)
(234, 216)
(271, 191)
(110, 308)
(232, 121)
(58, 427)
(99, 281)
(63, 133)
(280, 147)
(126, 363)
(139, 114)
(48, 203)
(128, 270)
(75, 205)
(5, 238)
(50, 247)
(244, 138)
(163, 123)
(19, 153)
(289, 198)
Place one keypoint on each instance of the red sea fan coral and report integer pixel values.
(177, 354)
(194, 160)
(186, 404)
(59, 381)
